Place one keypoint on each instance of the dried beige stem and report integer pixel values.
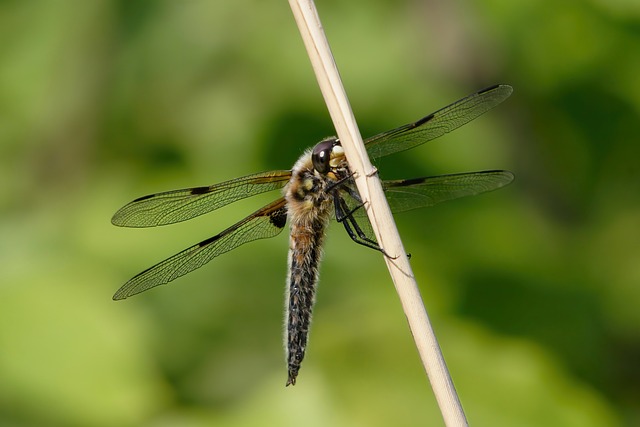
(378, 210)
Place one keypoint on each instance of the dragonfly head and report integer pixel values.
(327, 154)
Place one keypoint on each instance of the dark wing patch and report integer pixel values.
(278, 218)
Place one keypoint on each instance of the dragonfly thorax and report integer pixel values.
(307, 188)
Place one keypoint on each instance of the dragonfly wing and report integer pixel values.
(437, 124)
(266, 222)
(404, 195)
(180, 205)
(408, 194)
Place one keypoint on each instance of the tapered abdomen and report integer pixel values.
(305, 251)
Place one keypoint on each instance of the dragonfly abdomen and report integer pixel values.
(304, 257)
(309, 209)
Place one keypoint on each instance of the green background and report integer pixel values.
(533, 290)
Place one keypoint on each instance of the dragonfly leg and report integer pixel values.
(355, 232)
(345, 216)
(341, 214)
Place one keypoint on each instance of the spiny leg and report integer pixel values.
(344, 215)
(355, 232)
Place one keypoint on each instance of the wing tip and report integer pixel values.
(122, 293)
(509, 175)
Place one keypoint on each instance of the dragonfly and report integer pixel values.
(319, 187)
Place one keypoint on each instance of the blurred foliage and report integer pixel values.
(533, 290)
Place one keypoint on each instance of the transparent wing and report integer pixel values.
(407, 194)
(180, 205)
(437, 124)
(266, 222)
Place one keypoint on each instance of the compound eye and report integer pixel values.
(321, 155)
